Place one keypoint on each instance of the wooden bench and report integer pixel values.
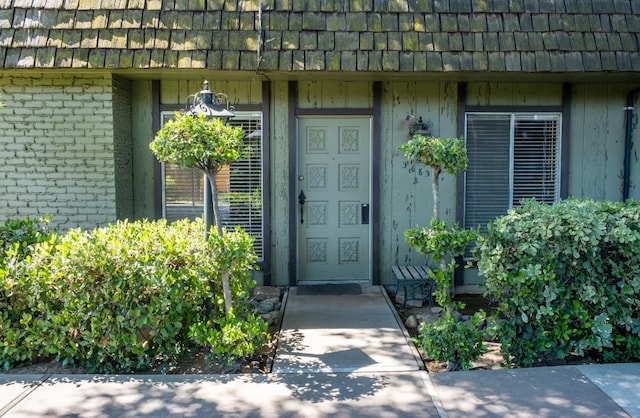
(415, 282)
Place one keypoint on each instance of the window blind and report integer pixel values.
(487, 176)
(512, 156)
(239, 185)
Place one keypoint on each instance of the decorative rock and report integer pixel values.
(261, 293)
(265, 306)
(458, 316)
(430, 319)
(411, 322)
(271, 318)
(436, 310)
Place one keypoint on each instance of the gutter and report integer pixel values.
(631, 98)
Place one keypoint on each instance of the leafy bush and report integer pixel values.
(17, 236)
(453, 341)
(119, 298)
(567, 277)
(230, 339)
(439, 241)
(447, 339)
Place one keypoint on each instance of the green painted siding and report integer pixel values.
(143, 159)
(597, 141)
(279, 183)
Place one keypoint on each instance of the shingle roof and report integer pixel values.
(323, 35)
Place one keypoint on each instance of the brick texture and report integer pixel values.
(58, 153)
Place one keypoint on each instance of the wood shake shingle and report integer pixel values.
(323, 35)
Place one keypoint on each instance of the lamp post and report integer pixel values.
(214, 105)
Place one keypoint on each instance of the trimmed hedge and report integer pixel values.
(124, 297)
(567, 277)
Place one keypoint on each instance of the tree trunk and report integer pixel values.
(435, 184)
(435, 188)
(214, 197)
(226, 285)
(226, 291)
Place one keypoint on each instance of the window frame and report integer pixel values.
(513, 114)
(250, 114)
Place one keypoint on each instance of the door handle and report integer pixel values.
(301, 200)
(365, 214)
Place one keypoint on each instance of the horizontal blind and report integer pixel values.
(487, 181)
(512, 156)
(536, 158)
(244, 194)
(239, 185)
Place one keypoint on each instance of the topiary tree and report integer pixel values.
(446, 339)
(200, 142)
(206, 144)
(440, 154)
(448, 154)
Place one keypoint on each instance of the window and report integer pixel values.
(512, 156)
(239, 185)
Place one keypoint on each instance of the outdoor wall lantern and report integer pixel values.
(417, 126)
(208, 103)
(215, 105)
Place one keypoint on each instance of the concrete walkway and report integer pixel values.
(340, 356)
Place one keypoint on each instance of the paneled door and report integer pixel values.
(334, 198)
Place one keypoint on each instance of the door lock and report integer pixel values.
(365, 214)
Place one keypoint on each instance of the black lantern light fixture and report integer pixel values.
(208, 103)
(417, 126)
(214, 105)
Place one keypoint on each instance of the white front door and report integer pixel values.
(334, 198)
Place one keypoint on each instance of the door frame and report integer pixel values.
(375, 113)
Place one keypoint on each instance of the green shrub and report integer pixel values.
(230, 339)
(567, 277)
(453, 341)
(17, 236)
(118, 299)
(447, 339)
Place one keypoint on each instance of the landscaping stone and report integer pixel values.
(265, 307)
(261, 293)
(267, 301)
(272, 318)
(411, 322)
(428, 318)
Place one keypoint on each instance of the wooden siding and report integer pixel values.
(143, 159)
(280, 182)
(513, 94)
(406, 195)
(597, 141)
(334, 95)
(240, 92)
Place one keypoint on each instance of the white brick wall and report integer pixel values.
(56, 149)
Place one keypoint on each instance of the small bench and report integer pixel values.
(415, 282)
